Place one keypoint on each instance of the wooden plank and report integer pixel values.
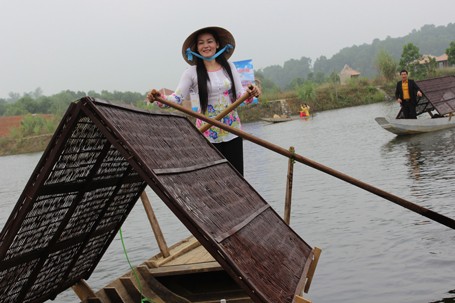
(197, 255)
(155, 225)
(112, 294)
(83, 290)
(299, 299)
(131, 289)
(312, 269)
(175, 252)
(152, 287)
(185, 269)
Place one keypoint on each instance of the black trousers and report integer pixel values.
(409, 109)
(233, 152)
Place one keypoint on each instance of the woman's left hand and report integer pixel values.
(253, 90)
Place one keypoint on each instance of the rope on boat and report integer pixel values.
(143, 298)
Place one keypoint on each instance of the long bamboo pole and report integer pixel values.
(449, 222)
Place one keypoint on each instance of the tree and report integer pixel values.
(451, 53)
(410, 58)
(2, 107)
(386, 65)
(13, 97)
(28, 104)
(334, 80)
(307, 91)
(267, 85)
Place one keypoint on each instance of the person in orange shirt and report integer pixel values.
(406, 94)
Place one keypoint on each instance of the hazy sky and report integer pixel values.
(135, 45)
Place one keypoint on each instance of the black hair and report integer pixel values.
(203, 75)
(404, 71)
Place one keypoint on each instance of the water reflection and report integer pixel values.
(425, 153)
(429, 160)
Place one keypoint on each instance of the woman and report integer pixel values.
(212, 83)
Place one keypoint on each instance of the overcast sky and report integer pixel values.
(135, 45)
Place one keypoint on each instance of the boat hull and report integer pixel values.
(276, 120)
(414, 126)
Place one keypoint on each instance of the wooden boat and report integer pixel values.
(277, 119)
(96, 167)
(415, 126)
(438, 102)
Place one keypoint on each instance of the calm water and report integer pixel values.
(372, 250)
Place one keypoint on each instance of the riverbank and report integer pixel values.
(12, 145)
(33, 133)
(26, 133)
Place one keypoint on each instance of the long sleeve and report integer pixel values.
(187, 84)
(397, 90)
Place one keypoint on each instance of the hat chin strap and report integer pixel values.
(189, 53)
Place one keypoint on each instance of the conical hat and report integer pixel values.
(224, 36)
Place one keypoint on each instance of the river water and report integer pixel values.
(372, 249)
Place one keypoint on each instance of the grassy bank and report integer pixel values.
(25, 145)
(30, 133)
(34, 133)
(324, 97)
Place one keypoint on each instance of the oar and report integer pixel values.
(449, 222)
(228, 109)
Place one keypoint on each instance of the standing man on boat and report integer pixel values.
(406, 94)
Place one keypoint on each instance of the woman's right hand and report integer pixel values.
(153, 95)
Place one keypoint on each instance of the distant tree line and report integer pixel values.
(364, 58)
(36, 103)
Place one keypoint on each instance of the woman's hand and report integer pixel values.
(253, 90)
(153, 95)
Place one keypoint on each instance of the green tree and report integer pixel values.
(3, 106)
(15, 109)
(296, 83)
(62, 100)
(268, 87)
(13, 97)
(307, 91)
(386, 65)
(410, 58)
(428, 69)
(44, 105)
(451, 53)
(334, 80)
(35, 125)
(319, 77)
(28, 103)
(292, 69)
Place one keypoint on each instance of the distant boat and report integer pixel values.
(415, 126)
(438, 102)
(277, 119)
